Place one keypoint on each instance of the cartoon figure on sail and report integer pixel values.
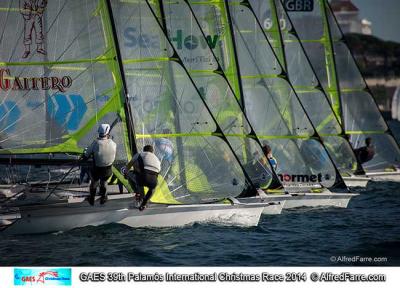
(32, 11)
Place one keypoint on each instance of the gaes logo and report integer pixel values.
(40, 277)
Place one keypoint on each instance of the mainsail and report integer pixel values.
(197, 58)
(395, 104)
(288, 48)
(341, 79)
(198, 163)
(59, 79)
(262, 96)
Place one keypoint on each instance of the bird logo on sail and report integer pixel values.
(32, 11)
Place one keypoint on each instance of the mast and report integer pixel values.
(127, 107)
(281, 49)
(219, 132)
(177, 121)
(333, 82)
(337, 117)
(339, 179)
(389, 131)
(235, 56)
(221, 72)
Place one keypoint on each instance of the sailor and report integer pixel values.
(146, 167)
(165, 147)
(103, 151)
(164, 150)
(32, 12)
(365, 153)
(271, 159)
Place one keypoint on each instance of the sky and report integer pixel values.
(384, 15)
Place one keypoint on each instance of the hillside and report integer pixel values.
(376, 58)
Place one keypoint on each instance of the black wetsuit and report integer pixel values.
(364, 154)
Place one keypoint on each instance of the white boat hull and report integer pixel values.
(384, 176)
(306, 199)
(274, 207)
(327, 199)
(356, 181)
(49, 218)
(181, 215)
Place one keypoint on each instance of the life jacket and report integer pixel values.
(147, 161)
(273, 162)
(103, 151)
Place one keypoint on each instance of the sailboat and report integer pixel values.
(290, 53)
(57, 87)
(163, 71)
(350, 97)
(216, 94)
(201, 34)
(395, 104)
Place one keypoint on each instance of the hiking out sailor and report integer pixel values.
(365, 153)
(103, 151)
(146, 167)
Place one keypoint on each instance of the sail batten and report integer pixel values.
(341, 79)
(57, 87)
(305, 82)
(293, 116)
(168, 112)
(214, 88)
(249, 79)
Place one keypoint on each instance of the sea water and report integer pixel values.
(369, 227)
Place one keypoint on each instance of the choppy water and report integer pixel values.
(370, 227)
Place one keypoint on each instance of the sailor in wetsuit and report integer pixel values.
(103, 151)
(365, 153)
(146, 167)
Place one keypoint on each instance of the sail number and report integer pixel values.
(268, 23)
(299, 5)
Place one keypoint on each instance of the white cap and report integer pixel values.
(104, 130)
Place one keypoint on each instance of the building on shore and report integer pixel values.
(348, 17)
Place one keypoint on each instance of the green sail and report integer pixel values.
(264, 92)
(59, 80)
(168, 111)
(194, 49)
(291, 54)
(341, 79)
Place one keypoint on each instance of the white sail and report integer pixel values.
(341, 79)
(290, 52)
